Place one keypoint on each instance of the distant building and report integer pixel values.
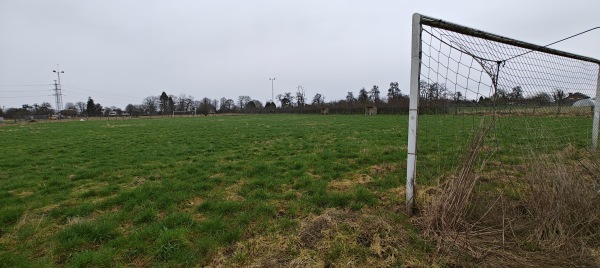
(574, 97)
(584, 103)
(370, 110)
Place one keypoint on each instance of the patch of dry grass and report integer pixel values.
(375, 171)
(554, 222)
(334, 238)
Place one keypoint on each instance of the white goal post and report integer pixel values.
(504, 63)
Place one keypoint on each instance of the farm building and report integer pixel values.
(370, 110)
(575, 97)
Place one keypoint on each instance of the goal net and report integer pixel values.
(184, 113)
(520, 100)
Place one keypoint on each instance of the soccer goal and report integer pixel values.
(184, 113)
(516, 99)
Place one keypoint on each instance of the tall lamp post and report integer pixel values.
(272, 92)
(58, 93)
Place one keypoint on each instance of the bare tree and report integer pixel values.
(394, 91)
(559, 96)
(501, 96)
(541, 98)
(285, 99)
(318, 100)
(222, 107)
(70, 106)
(301, 96)
(350, 99)
(206, 106)
(517, 94)
(70, 110)
(374, 94)
(253, 105)
(270, 106)
(230, 104)
(196, 105)
(132, 109)
(457, 96)
(80, 107)
(243, 100)
(150, 104)
(433, 92)
(227, 105)
(214, 103)
(185, 103)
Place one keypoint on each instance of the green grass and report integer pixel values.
(443, 139)
(173, 191)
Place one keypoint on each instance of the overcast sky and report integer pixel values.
(119, 52)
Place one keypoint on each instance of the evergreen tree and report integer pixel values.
(394, 91)
(91, 107)
(170, 105)
(98, 109)
(363, 96)
(164, 102)
(375, 94)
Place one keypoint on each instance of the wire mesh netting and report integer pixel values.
(530, 102)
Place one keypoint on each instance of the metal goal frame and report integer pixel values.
(418, 21)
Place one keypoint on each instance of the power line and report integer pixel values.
(96, 91)
(23, 85)
(19, 91)
(15, 97)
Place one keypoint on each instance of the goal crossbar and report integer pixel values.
(429, 21)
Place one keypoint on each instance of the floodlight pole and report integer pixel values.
(413, 114)
(272, 91)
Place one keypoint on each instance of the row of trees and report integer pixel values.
(432, 94)
(517, 97)
(165, 104)
(436, 93)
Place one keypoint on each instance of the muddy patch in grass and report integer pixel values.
(334, 238)
(231, 193)
(343, 185)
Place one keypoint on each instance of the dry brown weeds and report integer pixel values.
(555, 222)
(334, 238)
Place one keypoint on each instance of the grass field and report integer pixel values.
(212, 191)
(174, 191)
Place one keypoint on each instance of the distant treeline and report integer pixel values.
(435, 98)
